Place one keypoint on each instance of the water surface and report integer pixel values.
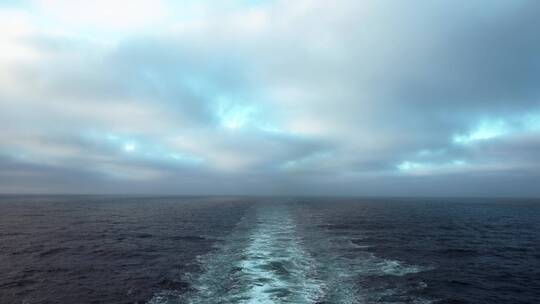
(111, 249)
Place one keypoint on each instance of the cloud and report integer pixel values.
(293, 97)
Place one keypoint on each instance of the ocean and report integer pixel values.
(161, 250)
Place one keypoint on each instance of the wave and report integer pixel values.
(270, 259)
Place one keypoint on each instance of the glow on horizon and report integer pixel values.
(141, 149)
(129, 147)
(487, 129)
(234, 115)
(429, 167)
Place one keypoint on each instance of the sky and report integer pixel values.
(270, 97)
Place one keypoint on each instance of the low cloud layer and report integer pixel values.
(270, 97)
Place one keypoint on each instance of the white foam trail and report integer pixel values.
(279, 269)
(268, 259)
(262, 262)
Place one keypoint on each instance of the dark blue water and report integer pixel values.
(90, 249)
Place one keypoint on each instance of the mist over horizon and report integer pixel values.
(270, 97)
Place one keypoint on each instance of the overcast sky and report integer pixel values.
(309, 97)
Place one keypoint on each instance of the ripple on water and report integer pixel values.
(268, 259)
